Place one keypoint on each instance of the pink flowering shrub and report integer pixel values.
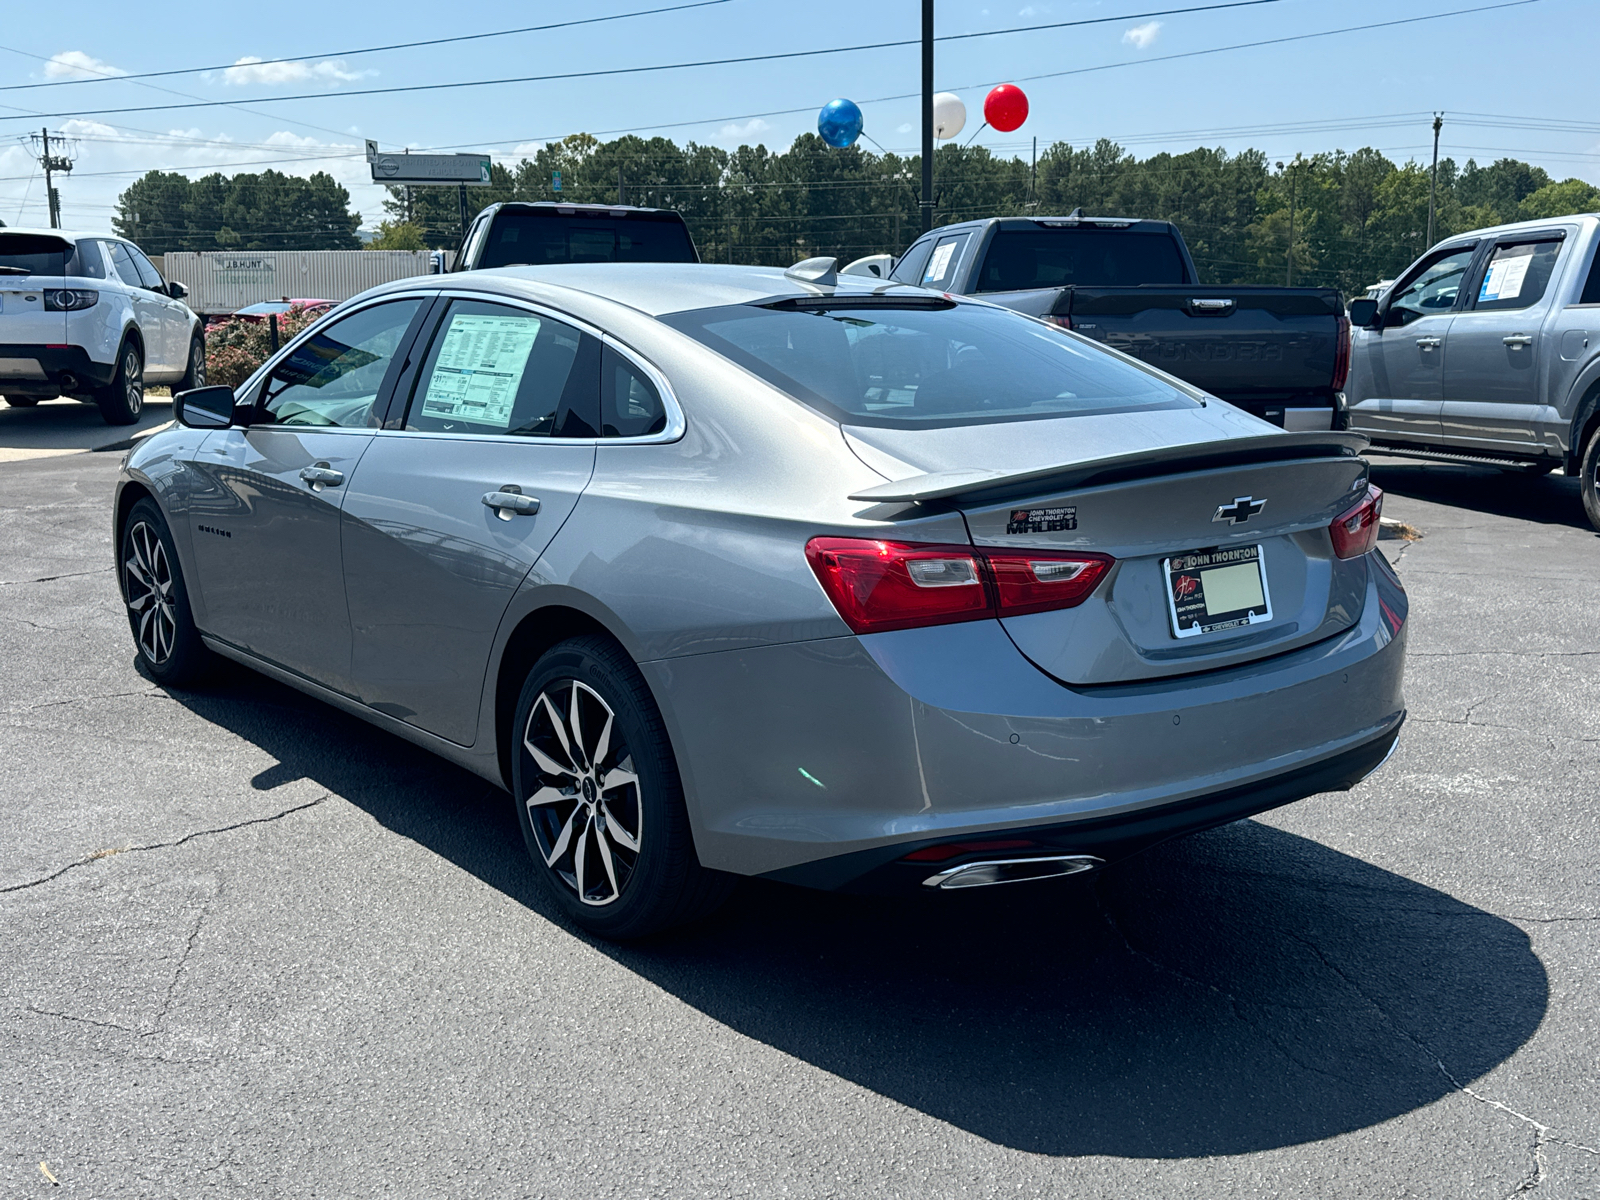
(235, 348)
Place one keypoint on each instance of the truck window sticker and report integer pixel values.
(1504, 279)
(479, 368)
(939, 264)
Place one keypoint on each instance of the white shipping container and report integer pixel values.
(222, 282)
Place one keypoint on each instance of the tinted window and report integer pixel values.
(1434, 289)
(909, 268)
(147, 270)
(630, 405)
(123, 262)
(495, 370)
(37, 254)
(334, 376)
(1591, 286)
(918, 367)
(1084, 256)
(531, 239)
(90, 263)
(1517, 275)
(941, 268)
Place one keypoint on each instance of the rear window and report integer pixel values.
(534, 239)
(1085, 256)
(926, 367)
(37, 254)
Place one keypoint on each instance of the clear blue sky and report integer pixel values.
(1519, 67)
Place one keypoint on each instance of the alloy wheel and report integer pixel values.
(133, 381)
(149, 585)
(587, 810)
(197, 368)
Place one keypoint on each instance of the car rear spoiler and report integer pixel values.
(1167, 460)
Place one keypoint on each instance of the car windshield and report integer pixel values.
(536, 238)
(923, 366)
(36, 254)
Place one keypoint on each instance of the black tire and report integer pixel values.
(22, 401)
(122, 400)
(578, 821)
(195, 375)
(1589, 478)
(164, 636)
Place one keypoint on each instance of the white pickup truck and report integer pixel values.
(1487, 349)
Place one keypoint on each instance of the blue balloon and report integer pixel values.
(839, 123)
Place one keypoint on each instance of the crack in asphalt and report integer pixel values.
(53, 578)
(177, 974)
(1470, 724)
(1508, 653)
(153, 692)
(188, 837)
(45, 1012)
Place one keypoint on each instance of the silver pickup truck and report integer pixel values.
(1487, 349)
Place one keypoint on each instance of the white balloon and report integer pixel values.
(949, 114)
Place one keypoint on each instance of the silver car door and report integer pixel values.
(1491, 365)
(266, 522)
(1402, 389)
(450, 508)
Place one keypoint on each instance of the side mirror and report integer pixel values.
(176, 290)
(204, 408)
(1363, 313)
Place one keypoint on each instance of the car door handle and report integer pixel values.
(507, 503)
(1429, 343)
(320, 475)
(1519, 341)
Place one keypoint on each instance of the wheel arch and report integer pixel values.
(128, 495)
(1585, 417)
(533, 634)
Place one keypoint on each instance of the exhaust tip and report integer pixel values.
(1012, 870)
(69, 381)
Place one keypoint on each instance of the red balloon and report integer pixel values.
(1005, 108)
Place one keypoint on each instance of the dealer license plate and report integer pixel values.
(1212, 590)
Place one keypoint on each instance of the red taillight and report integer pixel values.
(878, 586)
(1341, 355)
(1356, 532)
(1062, 320)
(1027, 583)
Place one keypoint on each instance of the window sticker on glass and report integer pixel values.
(1503, 280)
(480, 368)
(939, 264)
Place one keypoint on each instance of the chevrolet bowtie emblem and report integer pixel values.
(1240, 511)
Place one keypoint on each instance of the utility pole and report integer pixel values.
(1433, 181)
(1033, 174)
(52, 164)
(622, 186)
(1288, 255)
(927, 115)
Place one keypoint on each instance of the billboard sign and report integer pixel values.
(424, 169)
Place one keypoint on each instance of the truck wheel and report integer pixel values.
(1589, 478)
(153, 588)
(22, 401)
(122, 400)
(599, 799)
(195, 376)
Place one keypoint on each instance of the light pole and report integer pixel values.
(1433, 179)
(927, 115)
(1288, 257)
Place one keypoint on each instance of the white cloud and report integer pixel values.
(75, 64)
(906, 128)
(251, 69)
(737, 132)
(1141, 36)
(526, 149)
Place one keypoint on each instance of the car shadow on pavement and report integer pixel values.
(1546, 499)
(1240, 990)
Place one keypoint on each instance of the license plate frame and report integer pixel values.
(1188, 606)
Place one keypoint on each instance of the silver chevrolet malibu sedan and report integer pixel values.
(732, 571)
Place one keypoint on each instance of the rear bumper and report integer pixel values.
(822, 761)
(47, 371)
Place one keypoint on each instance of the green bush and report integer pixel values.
(236, 347)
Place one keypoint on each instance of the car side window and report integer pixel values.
(148, 275)
(1517, 275)
(334, 376)
(941, 269)
(87, 263)
(498, 371)
(1591, 285)
(630, 405)
(1432, 290)
(468, 258)
(122, 263)
(909, 268)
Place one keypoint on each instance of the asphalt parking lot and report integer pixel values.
(253, 947)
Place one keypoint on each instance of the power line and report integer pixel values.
(268, 62)
(680, 66)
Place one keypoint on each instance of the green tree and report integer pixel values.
(398, 235)
(1560, 200)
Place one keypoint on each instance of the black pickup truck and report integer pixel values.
(1281, 353)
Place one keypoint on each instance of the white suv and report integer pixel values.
(89, 316)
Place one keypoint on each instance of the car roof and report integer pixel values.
(1516, 227)
(563, 207)
(66, 235)
(660, 288)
